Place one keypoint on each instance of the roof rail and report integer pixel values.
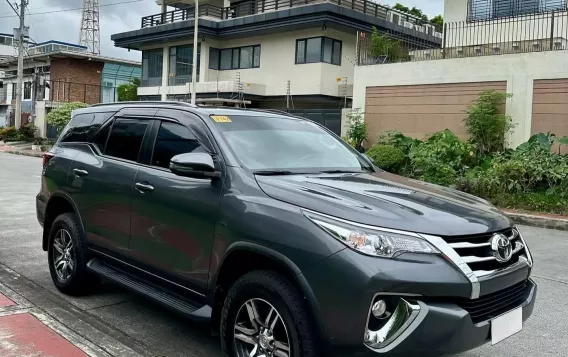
(276, 111)
(146, 102)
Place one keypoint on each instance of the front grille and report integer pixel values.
(495, 304)
(476, 251)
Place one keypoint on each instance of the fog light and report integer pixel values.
(379, 308)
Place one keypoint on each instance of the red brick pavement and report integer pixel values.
(23, 335)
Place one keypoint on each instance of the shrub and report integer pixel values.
(60, 116)
(356, 129)
(386, 157)
(128, 91)
(27, 131)
(8, 132)
(486, 124)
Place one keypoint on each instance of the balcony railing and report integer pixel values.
(483, 10)
(509, 35)
(262, 6)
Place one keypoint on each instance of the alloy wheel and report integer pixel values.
(63, 255)
(260, 331)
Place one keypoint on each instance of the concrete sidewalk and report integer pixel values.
(32, 327)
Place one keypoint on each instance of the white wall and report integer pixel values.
(519, 70)
(455, 10)
(277, 66)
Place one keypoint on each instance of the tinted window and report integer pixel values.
(313, 50)
(173, 139)
(126, 138)
(83, 126)
(101, 138)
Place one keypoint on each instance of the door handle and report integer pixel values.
(80, 172)
(144, 187)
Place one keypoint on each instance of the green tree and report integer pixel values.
(383, 45)
(128, 91)
(60, 116)
(357, 131)
(437, 21)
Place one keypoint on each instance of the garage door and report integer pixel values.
(420, 110)
(550, 108)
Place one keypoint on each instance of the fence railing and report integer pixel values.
(261, 6)
(508, 35)
(57, 91)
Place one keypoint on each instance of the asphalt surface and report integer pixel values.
(123, 324)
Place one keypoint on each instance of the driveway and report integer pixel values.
(122, 324)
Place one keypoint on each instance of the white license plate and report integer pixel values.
(506, 325)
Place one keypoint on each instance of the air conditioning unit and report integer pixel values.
(516, 46)
(419, 28)
(477, 50)
(496, 48)
(394, 17)
(536, 44)
(408, 25)
(438, 34)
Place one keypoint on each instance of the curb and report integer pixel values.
(24, 153)
(533, 220)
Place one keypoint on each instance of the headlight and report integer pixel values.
(385, 243)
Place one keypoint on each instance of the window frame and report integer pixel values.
(27, 87)
(334, 42)
(232, 51)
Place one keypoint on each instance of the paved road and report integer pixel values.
(116, 317)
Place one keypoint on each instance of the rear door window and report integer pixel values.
(126, 138)
(173, 139)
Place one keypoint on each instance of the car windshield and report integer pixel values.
(287, 144)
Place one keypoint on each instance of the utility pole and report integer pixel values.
(194, 66)
(21, 36)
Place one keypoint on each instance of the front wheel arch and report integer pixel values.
(257, 257)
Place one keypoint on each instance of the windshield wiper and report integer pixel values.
(274, 172)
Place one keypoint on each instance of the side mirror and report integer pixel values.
(196, 165)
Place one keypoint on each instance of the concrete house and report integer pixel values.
(514, 46)
(264, 52)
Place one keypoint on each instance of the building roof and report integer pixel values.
(58, 43)
(70, 54)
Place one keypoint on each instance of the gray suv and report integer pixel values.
(283, 238)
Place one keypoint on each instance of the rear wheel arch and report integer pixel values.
(59, 203)
(244, 257)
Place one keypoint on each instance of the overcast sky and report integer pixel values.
(51, 23)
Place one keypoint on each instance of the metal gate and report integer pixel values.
(330, 118)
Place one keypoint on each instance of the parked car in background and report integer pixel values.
(285, 239)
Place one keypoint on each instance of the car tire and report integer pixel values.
(68, 256)
(266, 291)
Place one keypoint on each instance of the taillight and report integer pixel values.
(46, 157)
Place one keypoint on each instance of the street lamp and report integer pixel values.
(194, 67)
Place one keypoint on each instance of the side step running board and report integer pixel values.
(191, 309)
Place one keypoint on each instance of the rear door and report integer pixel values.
(174, 217)
(102, 177)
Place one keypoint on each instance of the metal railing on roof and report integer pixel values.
(252, 7)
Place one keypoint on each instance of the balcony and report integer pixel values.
(254, 7)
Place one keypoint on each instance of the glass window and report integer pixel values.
(320, 49)
(14, 90)
(277, 142)
(173, 139)
(213, 58)
(83, 126)
(101, 139)
(126, 138)
(235, 58)
(27, 90)
(246, 57)
(226, 59)
(301, 51)
(256, 59)
(152, 64)
(313, 50)
(327, 49)
(336, 53)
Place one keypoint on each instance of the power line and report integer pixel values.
(74, 9)
(13, 8)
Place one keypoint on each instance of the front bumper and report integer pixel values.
(345, 285)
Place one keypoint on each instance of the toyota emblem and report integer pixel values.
(501, 248)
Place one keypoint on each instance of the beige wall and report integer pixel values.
(420, 110)
(550, 108)
(519, 71)
(277, 66)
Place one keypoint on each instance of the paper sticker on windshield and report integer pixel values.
(221, 118)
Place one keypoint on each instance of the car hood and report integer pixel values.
(390, 201)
